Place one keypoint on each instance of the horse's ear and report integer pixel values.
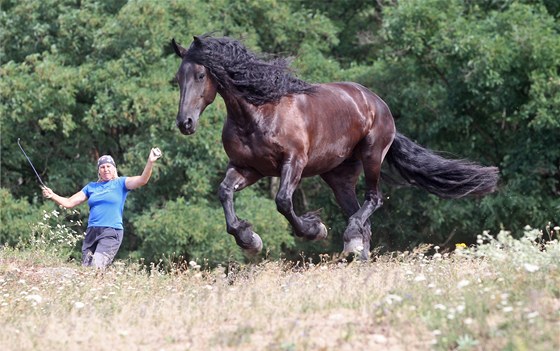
(179, 50)
(196, 38)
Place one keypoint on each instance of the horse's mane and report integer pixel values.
(233, 66)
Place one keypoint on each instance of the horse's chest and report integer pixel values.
(256, 150)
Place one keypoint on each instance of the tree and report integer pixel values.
(478, 79)
(84, 79)
(482, 85)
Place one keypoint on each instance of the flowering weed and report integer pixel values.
(488, 297)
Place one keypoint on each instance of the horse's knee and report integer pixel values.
(224, 193)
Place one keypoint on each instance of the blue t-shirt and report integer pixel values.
(106, 203)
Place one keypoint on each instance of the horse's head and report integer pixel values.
(197, 90)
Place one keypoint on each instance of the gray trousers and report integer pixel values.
(100, 246)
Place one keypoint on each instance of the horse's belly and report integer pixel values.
(319, 166)
(268, 162)
(266, 153)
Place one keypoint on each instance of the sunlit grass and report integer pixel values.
(502, 295)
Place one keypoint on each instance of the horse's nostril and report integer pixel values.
(186, 126)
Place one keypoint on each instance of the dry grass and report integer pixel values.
(401, 302)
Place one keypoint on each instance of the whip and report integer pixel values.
(34, 170)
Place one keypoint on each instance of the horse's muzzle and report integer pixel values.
(186, 126)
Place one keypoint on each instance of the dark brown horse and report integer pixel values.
(280, 126)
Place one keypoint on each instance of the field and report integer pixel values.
(502, 295)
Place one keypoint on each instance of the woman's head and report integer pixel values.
(106, 169)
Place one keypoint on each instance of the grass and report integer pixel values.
(502, 295)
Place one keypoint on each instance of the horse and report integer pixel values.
(278, 125)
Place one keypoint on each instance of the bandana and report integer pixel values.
(105, 159)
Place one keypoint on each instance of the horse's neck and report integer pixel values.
(239, 110)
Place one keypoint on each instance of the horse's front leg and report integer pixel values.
(235, 180)
(309, 225)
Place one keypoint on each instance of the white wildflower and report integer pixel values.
(194, 265)
(463, 283)
(392, 298)
(504, 296)
(379, 339)
(34, 298)
(532, 315)
(531, 268)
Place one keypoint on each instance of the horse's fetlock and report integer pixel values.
(283, 204)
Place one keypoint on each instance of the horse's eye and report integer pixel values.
(201, 76)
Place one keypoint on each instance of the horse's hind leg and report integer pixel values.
(372, 150)
(235, 180)
(342, 181)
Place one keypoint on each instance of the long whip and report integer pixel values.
(34, 170)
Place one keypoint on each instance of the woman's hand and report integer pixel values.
(47, 192)
(141, 180)
(155, 153)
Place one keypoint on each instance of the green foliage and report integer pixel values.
(57, 233)
(476, 84)
(477, 79)
(16, 219)
(533, 251)
(40, 228)
(196, 231)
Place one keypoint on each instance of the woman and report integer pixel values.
(106, 199)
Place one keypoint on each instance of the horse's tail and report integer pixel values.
(440, 176)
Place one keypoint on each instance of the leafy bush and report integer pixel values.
(40, 228)
(533, 251)
(55, 233)
(196, 231)
(17, 217)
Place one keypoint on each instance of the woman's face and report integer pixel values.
(106, 172)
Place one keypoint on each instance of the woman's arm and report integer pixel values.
(68, 202)
(141, 180)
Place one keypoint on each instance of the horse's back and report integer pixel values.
(338, 117)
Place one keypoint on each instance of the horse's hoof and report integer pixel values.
(256, 246)
(354, 246)
(364, 256)
(322, 233)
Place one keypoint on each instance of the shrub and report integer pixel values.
(196, 231)
(55, 233)
(17, 217)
